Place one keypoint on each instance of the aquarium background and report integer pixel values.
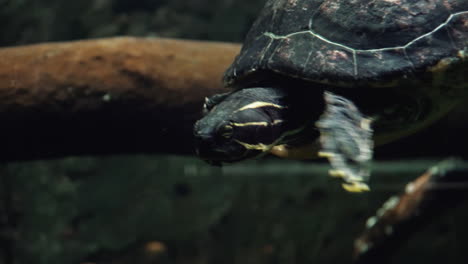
(172, 209)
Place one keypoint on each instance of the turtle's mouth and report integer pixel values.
(220, 163)
(217, 157)
(228, 152)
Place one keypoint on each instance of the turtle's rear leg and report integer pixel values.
(346, 139)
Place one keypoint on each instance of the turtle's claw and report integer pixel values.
(352, 184)
(212, 101)
(355, 187)
(337, 173)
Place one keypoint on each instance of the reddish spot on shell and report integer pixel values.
(292, 2)
(396, 2)
(337, 55)
(330, 7)
(465, 23)
(447, 5)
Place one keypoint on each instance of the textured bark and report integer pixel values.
(116, 95)
(437, 192)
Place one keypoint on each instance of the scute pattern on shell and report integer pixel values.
(351, 40)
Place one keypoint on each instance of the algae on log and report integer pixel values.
(116, 95)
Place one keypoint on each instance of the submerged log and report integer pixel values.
(438, 191)
(117, 95)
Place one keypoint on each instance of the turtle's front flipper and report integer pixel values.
(346, 139)
(213, 100)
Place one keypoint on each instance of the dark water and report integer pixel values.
(29, 21)
(166, 209)
(169, 209)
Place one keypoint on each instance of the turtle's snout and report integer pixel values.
(206, 145)
(203, 142)
(200, 132)
(215, 142)
(204, 132)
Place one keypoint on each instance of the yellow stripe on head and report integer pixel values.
(275, 122)
(259, 104)
(250, 124)
(259, 146)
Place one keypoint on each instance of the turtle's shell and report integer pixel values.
(351, 42)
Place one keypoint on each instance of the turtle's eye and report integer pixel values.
(226, 131)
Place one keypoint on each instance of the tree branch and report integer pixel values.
(436, 192)
(116, 95)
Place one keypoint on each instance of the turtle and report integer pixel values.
(333, 78)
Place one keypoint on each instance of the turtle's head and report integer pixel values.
(242, 124)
